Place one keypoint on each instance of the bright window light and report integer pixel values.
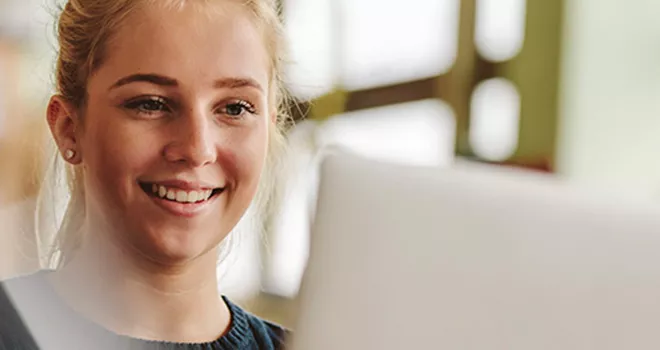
(309, 29)
(387, 41)
(500, 28)
(417, 133)
(495, 119)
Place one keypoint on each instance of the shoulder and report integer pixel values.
(25, 288)
(272, 334)
(13, 332)
(262, 333)
(34, 305)
(25, 280)
(28, 289)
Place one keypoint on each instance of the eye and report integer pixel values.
(149, 105)
(238, 108)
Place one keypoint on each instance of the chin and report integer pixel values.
(174, 246)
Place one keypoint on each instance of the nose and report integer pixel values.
(192, 141)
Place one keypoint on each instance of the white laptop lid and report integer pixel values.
(406, 258)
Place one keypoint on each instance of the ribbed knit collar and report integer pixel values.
(238, 335)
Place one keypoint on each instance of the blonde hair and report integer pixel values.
(83, 31)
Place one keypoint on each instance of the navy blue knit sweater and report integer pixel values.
(57, 327)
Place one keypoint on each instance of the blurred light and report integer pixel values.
(308, 25)
(386, 41)
(24, 19)
(500, 28)
(495, 119)
(419, 133)
(290, 241)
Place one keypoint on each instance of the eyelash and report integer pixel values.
(247, 107)
(139, 103)
(162, 106)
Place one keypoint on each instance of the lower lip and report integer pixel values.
(187, 210)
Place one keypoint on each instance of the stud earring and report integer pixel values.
(69, 154)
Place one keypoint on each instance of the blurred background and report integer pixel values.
(567, 87)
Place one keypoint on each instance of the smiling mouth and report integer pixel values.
(178, 195)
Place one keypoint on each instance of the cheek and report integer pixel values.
(248, 154)
(112, 155)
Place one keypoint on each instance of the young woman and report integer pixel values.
(167, 115)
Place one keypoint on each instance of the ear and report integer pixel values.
(63, 123)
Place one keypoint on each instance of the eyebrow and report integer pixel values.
(224, 83)
(235, 83)
(148, 78)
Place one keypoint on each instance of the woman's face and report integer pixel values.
(175, 130)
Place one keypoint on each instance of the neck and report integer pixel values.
(133, 296)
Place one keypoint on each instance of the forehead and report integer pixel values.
(188, 44)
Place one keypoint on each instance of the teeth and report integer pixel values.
(179, 195)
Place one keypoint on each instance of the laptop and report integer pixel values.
(476, 257)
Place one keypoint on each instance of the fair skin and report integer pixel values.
(184, 106)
